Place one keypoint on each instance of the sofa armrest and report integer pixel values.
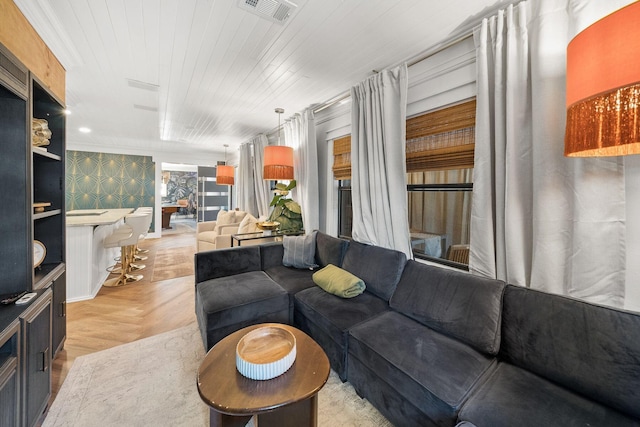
(223, 242)
(205, 226)
(226, 262)
(229, 229)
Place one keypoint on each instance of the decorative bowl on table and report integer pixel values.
(268, 225)
(265, 352)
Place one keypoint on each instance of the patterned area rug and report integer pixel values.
(180, 226)
(172, 263)
(152, 382)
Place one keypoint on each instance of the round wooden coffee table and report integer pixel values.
(288, 400)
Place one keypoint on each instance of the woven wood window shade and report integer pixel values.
(443, 139)
(342, 158)
(440, 140)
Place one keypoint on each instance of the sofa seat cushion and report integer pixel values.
(227, 304)
(434, 372)
(293, 280)
(336, 315)
(327, 319)
(514, 396)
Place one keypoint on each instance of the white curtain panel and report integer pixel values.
(539, 219)
(378, 168)
(246, 196)
(261, 187)
(300, 134)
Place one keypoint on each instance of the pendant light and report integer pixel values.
(224, 173)
(603, 87)
(278, 159)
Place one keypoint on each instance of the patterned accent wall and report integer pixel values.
(109, 181)
(181, 185)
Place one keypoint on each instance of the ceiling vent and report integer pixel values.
(145, 108)
(143, 85)
(278, 11)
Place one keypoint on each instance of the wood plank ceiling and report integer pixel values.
(169, 75)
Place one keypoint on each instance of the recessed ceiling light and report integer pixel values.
(67, 112)
(84, 130)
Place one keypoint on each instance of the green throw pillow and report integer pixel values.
(338, 281)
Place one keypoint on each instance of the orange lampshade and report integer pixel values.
(278, 162)
(603, 87)
(224, 175)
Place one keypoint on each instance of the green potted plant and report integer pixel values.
(286, 211)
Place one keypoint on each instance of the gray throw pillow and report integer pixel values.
(300, 251)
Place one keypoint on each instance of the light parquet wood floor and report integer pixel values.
(128, 313)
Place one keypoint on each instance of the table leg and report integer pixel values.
(303, 413)
(166, 220)
(216, 419)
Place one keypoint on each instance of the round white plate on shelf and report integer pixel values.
(39, 251)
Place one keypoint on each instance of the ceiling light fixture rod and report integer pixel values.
(279, 111)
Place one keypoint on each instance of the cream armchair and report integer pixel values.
(217, 234)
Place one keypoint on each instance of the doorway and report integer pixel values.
(179, 191)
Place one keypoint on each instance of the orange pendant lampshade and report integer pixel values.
(278, 162)
(278, 159)
(224, 175)
(224, 172)
(603, 87)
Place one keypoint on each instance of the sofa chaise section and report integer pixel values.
(419, 362)
(563, 362)
(233, 292)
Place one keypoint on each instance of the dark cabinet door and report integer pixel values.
(59, 313)
(37, 358)
(9, 397)
(10, 375)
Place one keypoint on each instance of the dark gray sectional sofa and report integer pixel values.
(432, 346)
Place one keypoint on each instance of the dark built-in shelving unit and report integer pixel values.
(31, 334)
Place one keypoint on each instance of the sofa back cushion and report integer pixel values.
(457, 304)
(214, 264)
(380, 268)
(590, 349)
(330, 250)
(225, 218)
(238, 215)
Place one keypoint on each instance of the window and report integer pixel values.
(440, 148)
(345, 217)
(439, 214)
